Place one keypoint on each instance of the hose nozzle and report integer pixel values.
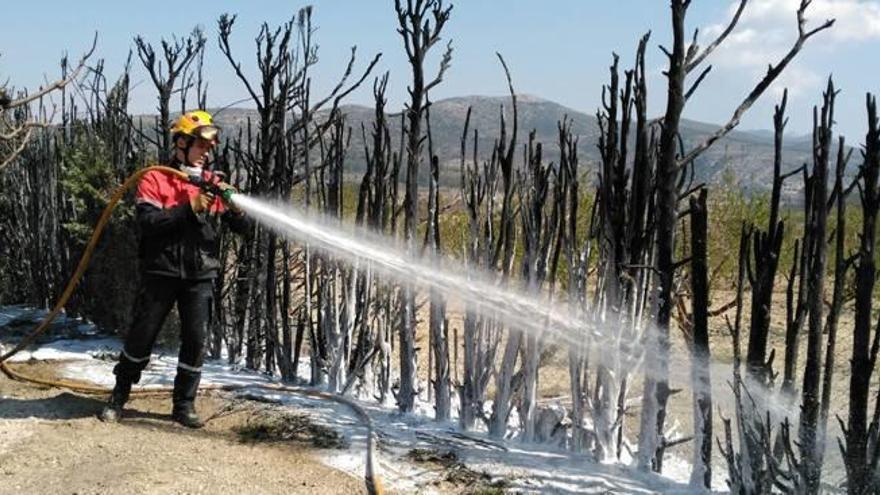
(226, 195)
(211, 187)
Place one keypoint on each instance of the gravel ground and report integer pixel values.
(52, 442)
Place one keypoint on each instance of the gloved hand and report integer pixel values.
(231, 205)
(224, 186)
(201, 202)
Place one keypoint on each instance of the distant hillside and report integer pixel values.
(748, 154)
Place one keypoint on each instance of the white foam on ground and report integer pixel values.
(62, 350)
(159, 373)
(525, 467)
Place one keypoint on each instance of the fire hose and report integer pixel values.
(371, 477)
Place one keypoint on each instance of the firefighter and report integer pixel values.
(178, 255)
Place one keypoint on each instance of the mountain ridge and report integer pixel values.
(746, 156)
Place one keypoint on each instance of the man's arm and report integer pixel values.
(155, 221)
(238, 222)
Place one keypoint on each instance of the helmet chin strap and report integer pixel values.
(185, 165)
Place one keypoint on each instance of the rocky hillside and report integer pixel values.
(748, 156)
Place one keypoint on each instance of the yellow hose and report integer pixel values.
(371, 478)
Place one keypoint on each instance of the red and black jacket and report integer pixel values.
(175, 241)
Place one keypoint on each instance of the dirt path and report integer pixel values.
(52, 442)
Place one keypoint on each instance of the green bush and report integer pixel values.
(88, 179)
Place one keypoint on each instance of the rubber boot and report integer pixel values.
(186, 385)
(186, 415)
(112, 411)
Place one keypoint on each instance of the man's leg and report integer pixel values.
(194, 306)
(155, 298)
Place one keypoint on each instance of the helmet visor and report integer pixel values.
(207, 132)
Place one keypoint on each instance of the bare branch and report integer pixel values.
(698, 58)
(225, 25)
(513, 99)
(9, 159)
(445, 62)
(772, 73)
(55, 85)
(333, 94)
(17, 130)
(696, 83)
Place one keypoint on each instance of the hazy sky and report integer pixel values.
(559, 49)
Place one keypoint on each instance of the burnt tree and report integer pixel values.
(420, 24)
(862, 449)
(700, 353)
(165, 73)
(763, 262)
(816, 248)
(684, 58)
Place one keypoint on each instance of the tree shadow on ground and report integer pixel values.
(64, 406)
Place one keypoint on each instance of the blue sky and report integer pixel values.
(558, 50)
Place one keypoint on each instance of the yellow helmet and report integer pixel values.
(197, 123)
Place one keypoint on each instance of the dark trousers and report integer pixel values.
(155, 299)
